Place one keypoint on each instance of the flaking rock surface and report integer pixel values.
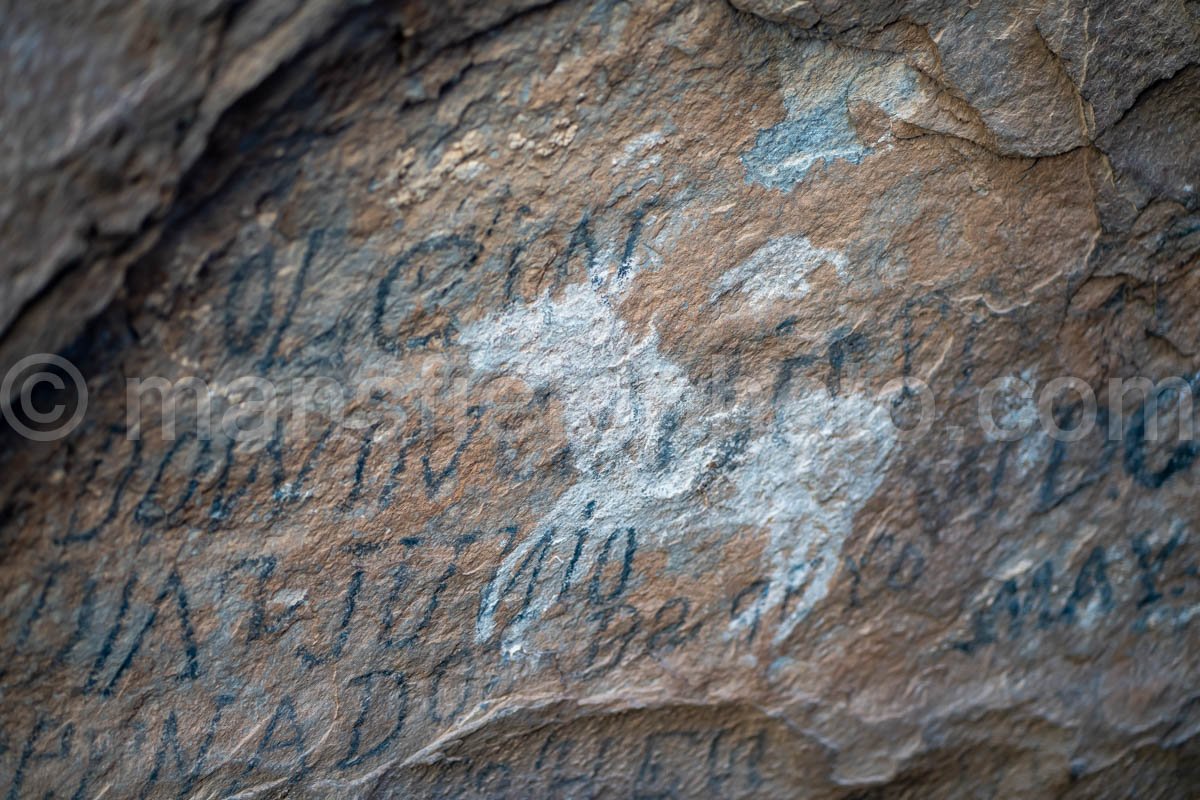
(586, 471)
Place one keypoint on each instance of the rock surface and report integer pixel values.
(586, 468)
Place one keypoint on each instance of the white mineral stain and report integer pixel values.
(645, 444)
(778, 271)
(638, 145)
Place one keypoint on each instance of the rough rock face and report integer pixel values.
(107, 105)
(540, 426)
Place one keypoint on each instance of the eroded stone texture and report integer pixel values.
(106, 107)
(615, 498)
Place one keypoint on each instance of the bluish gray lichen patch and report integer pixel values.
(817, 131)
(783, 154)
